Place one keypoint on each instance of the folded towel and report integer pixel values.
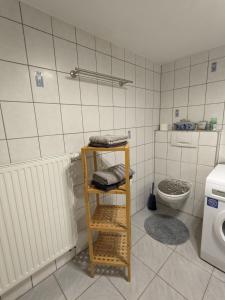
(108, 139)
(106, 187)
(108, 146)
(111, 175)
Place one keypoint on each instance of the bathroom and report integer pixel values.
(160, 73)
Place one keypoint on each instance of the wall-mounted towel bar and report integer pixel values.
(100, 76)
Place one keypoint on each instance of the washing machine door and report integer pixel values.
(219, 227)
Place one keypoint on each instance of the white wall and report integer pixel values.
(189, 85)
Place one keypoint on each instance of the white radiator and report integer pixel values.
(37, 223)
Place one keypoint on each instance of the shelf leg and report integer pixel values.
(92, 270)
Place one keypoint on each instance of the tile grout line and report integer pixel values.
(32, 94)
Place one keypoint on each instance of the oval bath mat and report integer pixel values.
(166, 229)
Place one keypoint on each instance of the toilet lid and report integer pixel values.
(173, 187)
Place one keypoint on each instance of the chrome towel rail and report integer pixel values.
(86, 73)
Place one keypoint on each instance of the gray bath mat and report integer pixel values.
(166, 229)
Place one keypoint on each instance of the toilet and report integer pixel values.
(173, 192)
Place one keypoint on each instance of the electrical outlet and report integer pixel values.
(177, 113)
(39, 79)
(213, 66)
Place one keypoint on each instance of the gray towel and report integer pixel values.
(108, 139)
(111, 175)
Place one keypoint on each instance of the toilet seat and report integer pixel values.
(173, 191)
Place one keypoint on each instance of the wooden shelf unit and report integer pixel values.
(112, 222)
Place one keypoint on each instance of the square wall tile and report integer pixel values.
(129, 56)
(199, 199)
(182, 78)
(214, 111)
(24, 149)
(69, 89)
(173, 168)
(117, 68)
(72, 118)
(48, 119)
(119, 96)
(105, 95)
(167, 99)
(86, 58)
(206, 155)
(196, 113)
(85, 39)
(140, 132)
(15, 82)
(189, 155)
(130, 72)
(74, 142)
(12, 41)
(130, 117)
(174, 153)
(157, 101)
(140, 117)
(47, 93)
(140, 77)
(19, 119)
(18, 290)
(89, 92)
(103, 46)
(140, 97)
(104, 63)
(161, 150)
(215, 92)
(199, 58)
(198, 74)
(4, 154)
(10, 9)
(119, 118)
(220, 70)
(166, 115)
(197, 95)
(188, 171)
(51, 145)
(36, 18)
(208, 138)
(91, 118)
(39, 48)
(168, 67)
(161, 137)
(183, 62)
(65, 54)
(180, 97)
(149, 78)
(117, 51)
(160, 166)
(106, 118)
(130, 96)
(148, 117)
(63, 30)
(140, 61)
(167, 82)
(157, 81)
(149, 99)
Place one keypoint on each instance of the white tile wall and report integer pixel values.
(191, 164)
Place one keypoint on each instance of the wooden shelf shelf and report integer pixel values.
(109, 218)
(111, 249)
(112, 222)
(120, 190)
(103, 149)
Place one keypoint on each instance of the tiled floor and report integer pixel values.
(159, 272)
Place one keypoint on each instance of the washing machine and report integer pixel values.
(213, 230)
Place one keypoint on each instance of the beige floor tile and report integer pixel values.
(136, 234)
(215, 290)
(159, 290)
(186, 277)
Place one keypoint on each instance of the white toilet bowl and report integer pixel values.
(173, 192)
